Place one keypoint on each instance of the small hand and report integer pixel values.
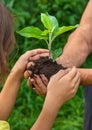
(40, 53)
(40, 81)
(39, 84)
(22, 62)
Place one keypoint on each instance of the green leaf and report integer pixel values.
(65, 29)
(32, 32)
(54, 21)
(55, 25)
(45, 32)
(45, 19)
(56, 53)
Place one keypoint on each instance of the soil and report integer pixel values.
(45, 66)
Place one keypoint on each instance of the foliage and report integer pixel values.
(29, 104)
(52, 30)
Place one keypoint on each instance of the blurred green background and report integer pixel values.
(29, 104)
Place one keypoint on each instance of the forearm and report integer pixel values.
(79, 44)
(48, 114)
(75, 51)
(86, 76)
(87, 15)
(8, 95)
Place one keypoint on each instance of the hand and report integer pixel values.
(63, 87)
(22, 62)
(41, 53)
(39, 82)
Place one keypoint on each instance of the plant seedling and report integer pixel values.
(51, 31)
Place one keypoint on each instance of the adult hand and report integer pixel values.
(63, 87)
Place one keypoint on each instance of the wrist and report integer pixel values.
(15, 73)
(65, 61)
(51, 102)
(50, 110)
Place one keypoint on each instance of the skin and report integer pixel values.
(10, 90)
(78, 46)
(62, 86)
(72, 50)
(67, 83)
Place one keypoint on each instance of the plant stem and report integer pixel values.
(47, 42)
(49, 45)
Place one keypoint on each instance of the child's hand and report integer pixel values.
(39, 84)
(63, 87)
(22, 62)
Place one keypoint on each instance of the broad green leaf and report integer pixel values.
(32, 32)
(54, 22)
(55, 25)
(56, 53)
(45, 19)
(64, 29)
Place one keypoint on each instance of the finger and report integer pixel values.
(35, 86)
(37, 89)
(44, 79)
(41, 86)
(32, 85)
(41, 50)
(78, 82)
(44, 54)
(37, 92)
(30, 64)
(77, 85)
(32, 53)
(76, 78)
(29, 83)
(37, 51)
(59, 74)
(72, 73)
(27, 73)
(36, 57)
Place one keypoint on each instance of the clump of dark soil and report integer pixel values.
(45, 66)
